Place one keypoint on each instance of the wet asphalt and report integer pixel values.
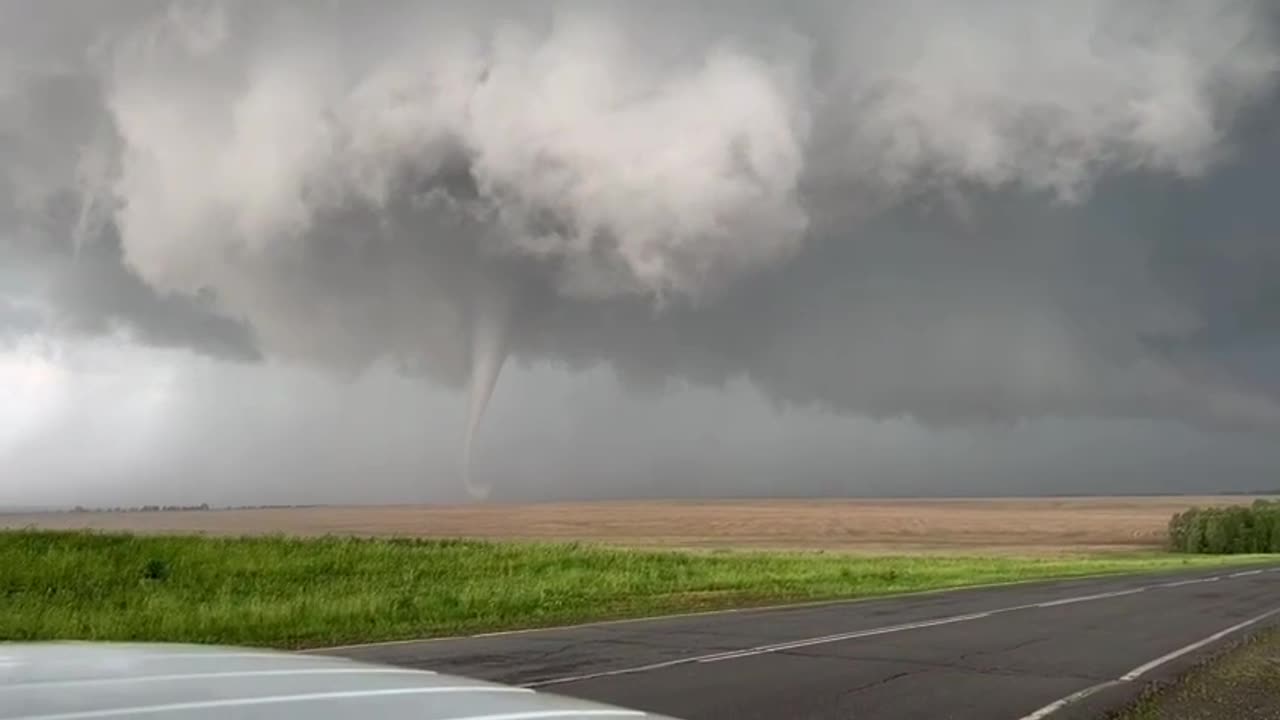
(982, 653)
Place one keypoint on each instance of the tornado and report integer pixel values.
(490, 319)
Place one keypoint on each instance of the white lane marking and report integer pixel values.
(269, 700)
(496, 633)
(611, 673)
(1087, 598)
(553, 714)
(779, 647)
(1196, 581)
(1074, 697)
(1145, 668)
(805, 642)
(213, 676)
(1141, 670)
(1245, 573)
(776, 647)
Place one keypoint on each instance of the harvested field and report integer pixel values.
(1021, 526)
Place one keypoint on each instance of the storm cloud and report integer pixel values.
(950, 213)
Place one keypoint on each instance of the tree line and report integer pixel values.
(1227, 530)
(188, 508)
(142, 508)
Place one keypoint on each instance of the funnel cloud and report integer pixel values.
(489, 328)
(959, 216)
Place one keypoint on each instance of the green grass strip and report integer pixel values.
(289, 592)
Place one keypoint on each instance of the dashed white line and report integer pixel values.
(1087, 598)
(1196, 581)
(1245, 573)
(765, 649)
(1145, 668)
(612, 673)
(779, 647)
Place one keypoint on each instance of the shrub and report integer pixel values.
(155, 569)
(1226, 530)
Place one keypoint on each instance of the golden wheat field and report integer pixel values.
(1039, 526)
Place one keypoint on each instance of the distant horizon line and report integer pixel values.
(210, 507)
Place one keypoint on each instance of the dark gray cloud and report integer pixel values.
(961, 213)
(50, 287)
(63, 267)
(168, 429)
(18, 320)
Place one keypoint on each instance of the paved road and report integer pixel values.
(987, 653)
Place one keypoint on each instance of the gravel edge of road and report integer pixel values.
(1241, 679)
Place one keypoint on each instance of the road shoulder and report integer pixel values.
(1241, 681)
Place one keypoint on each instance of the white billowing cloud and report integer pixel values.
(685, 173)
(634, 161)
(705, 191)
(1047, 95)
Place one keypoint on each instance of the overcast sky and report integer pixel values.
(282, 251)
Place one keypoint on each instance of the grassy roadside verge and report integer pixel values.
(285, 592)
(1242, 683)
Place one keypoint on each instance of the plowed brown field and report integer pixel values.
(1023, 526)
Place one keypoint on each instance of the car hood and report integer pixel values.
(84, 681)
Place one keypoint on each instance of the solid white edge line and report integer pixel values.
(266, 700)
(1245, 573)
(1141, 670)
(1145, 668)
(38, 684)
(1074, 697)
